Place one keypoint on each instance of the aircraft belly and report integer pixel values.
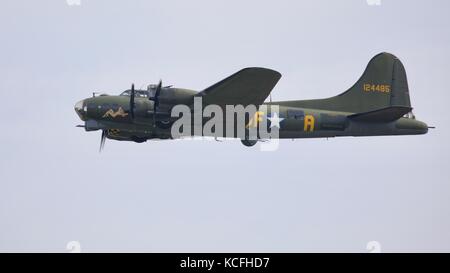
(316, 134)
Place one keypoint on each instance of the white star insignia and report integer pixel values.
(275, 120)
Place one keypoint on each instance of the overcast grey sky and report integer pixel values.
(310, 195)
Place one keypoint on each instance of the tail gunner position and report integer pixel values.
(377, 104)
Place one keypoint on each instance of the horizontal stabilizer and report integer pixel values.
(382, 115)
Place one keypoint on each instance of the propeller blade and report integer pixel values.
(158, 91)
(102, 140)
(132, 95)
(156, 102)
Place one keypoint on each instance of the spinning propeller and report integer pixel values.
(102, 140)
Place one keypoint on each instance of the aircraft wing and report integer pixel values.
(248, 86)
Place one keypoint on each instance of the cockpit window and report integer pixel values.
(126, 93)
(138, 93)
(142, 94)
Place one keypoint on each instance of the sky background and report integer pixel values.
(205, 196)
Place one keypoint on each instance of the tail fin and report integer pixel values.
(382, 85)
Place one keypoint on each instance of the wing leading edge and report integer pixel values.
(247, 86)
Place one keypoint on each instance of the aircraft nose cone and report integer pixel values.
(422, 127)
(80, 109)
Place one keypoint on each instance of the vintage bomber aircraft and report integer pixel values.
(377, 104)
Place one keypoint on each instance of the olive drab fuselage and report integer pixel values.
(378, 104)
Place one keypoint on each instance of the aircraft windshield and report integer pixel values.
(138, 93)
